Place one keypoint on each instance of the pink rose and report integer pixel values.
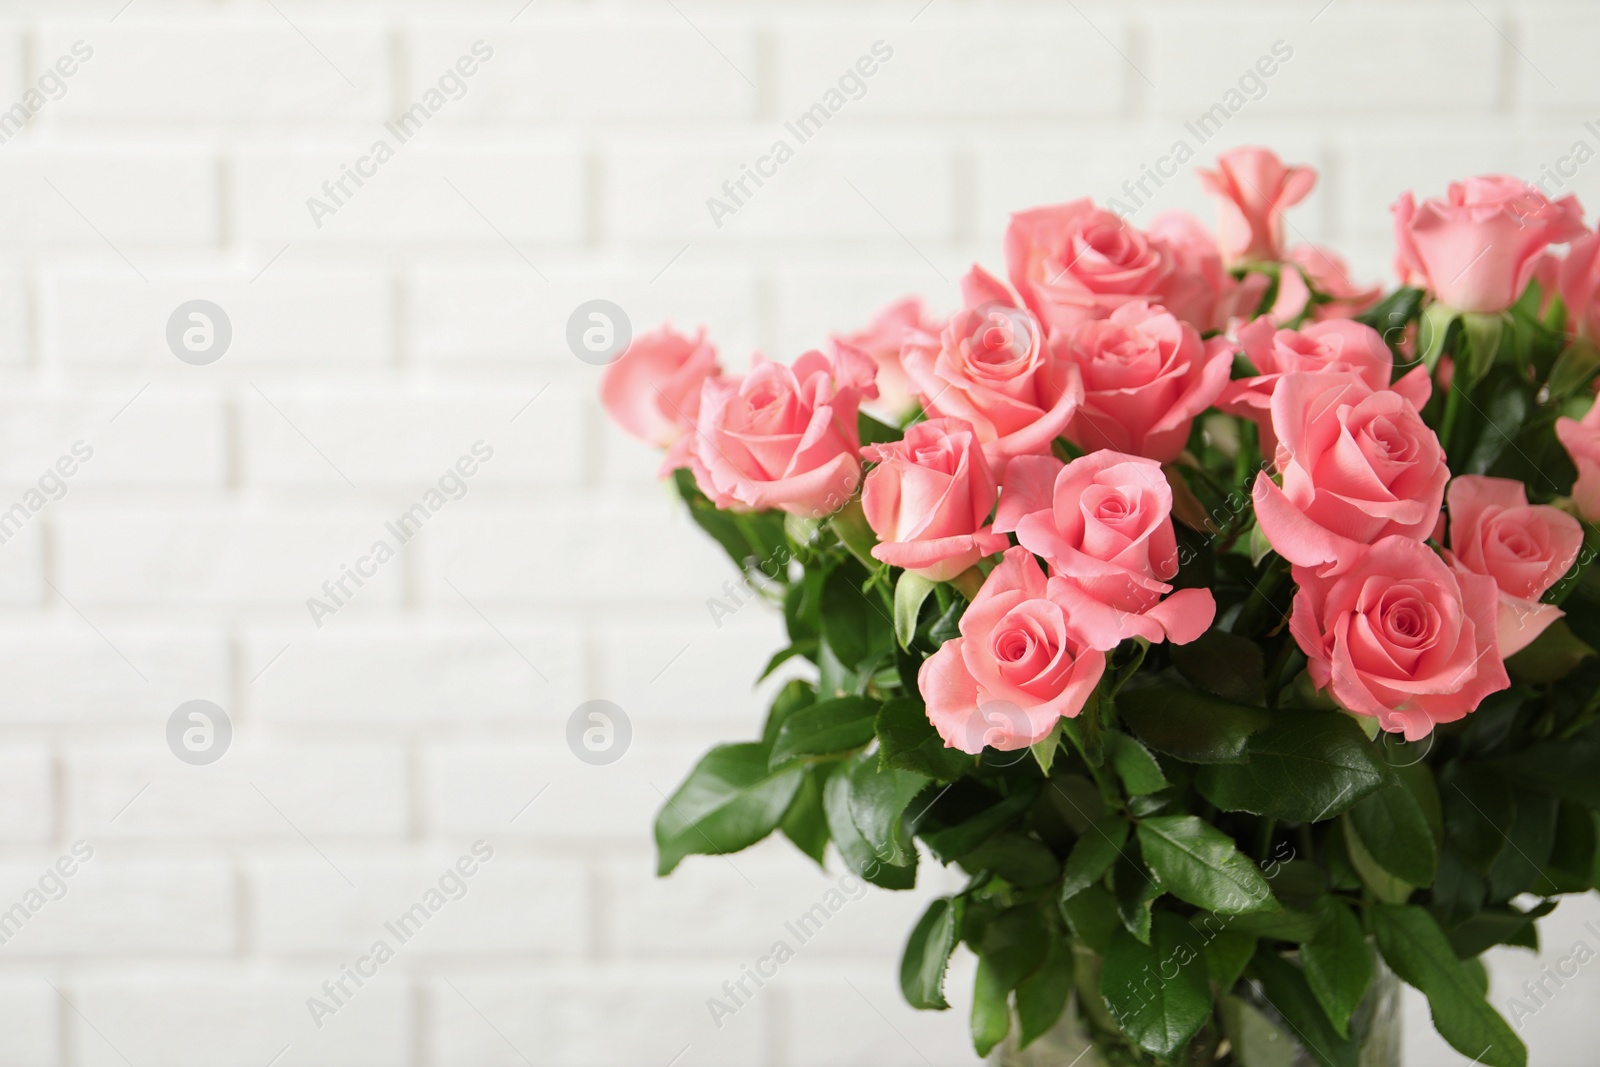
(1525, 549)
(990, 367)
(1201, 290)
(1578, 280)
(1358, 464)
(929, 499)
(653, 389)
(1104, 524)
(1581, 439)
(1335, 345)
(1253, 188)
(1400, 636)
(784, 437)
(1326, 274)
(1145, 378)
(1074, 262)
(1476, 249)
(1018, 666)
(882, 340)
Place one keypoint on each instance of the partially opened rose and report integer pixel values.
(1325, 272)
(990, 368)
(882, 340)
(1201, 290)
(784, 437)
(1358, 464)
(1018, 666)
(1253, 187)
(1400, 636)
(653, 389)
(1104, 524)
(1074, 262)
(929, 498)
(1578, 279)
(1145, 378)
(1581, 439)
(1525, 548)
(1477, 248)
(1334, 345)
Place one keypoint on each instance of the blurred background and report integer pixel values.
(241, 345)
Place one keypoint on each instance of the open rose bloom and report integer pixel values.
(1172, 556)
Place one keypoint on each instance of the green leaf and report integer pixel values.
(1198, 863)
(1552, 656)
(1190, 726)
(1478, 805)
(1160, 1016)
(1379, 882)
(806, 823)
(1286, 990)
(1019, 859)
(1042, 996)
(878, 801)
(853, 848)
(873, 432)
(1394, 831)
(1139, 771)
(952, 842)
(1532, 836)
(1044, 750)
(1135, 888)
(1285, 924)
(729, 802)
(1305, 766)
(1227, 953)
(1338, 963)
(907, 740)
(933, 939)
(1417, 951)
(1091, 914)
(795, 695)
(1012, 947)
(1224, 665)
(1093, 854)
(1563, 767)
(825, 727)
(854, 623)
(909, 593)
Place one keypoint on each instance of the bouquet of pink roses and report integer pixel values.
(1229, 624)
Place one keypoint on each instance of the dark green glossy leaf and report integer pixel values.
(794, 695)
(1530, 838)
(1337, 962)
(1160, 1016)
(1093, 854)
(1417, 951)
(927, 954)
(952, 842)
(1018, 858)
(1478, 805)
(855, 624)
(1224, 665)
(1305, 766)
(806, 823)
(1198, 863)
(1394, 831)
(1042, 995)
(857, 854)
(907, 740)
(1287, 991)
(825, 727)
(1227, 953)
(878, 802)
(729, 802)
(1133, 763)
(1012, 947)
(1190, 726)
(1092, 916)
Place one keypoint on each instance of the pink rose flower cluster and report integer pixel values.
(1106, 342)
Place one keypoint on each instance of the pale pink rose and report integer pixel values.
(653, 389)
(1074, 262)
(929, 498)
(882, 340)
(990, 367)
(1524, 548)
(1578, 279)
(784, 437)
(1253, 187)
(1326, 274)
(1358, 464)
(1334, 345)
(1581, 439)
(1146, 376)
(1201, 290)
(1018, 667)
(1476, 249)
(1104, 524)
(1399, 636)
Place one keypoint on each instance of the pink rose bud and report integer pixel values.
(1524, 548)
(1253, 187)
(1358, 464)
(882, 340)
(929, 498)
(1104, 525)
(1400, 636)
(784, 437)
(1581, 439)
(1018, 667)
(653, 389)
(1578, 279)
(1074, 262)
(1145, 378)
(1477, 249)
(990, 367)
(1335, 345)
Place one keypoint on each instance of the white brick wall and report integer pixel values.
(422, 315)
